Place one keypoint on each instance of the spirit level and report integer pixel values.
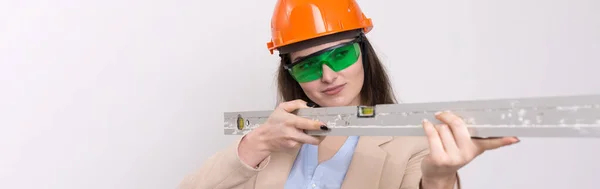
(555, 116)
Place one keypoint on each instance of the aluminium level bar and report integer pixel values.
(554, 116)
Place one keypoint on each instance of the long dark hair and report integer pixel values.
(376, 88)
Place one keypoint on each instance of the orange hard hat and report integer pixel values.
(298, 20)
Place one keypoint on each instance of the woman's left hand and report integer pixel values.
(451, 148)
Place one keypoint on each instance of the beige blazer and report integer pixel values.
(379, 162)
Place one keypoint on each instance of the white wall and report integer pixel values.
(123, 93)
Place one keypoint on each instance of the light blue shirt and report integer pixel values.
(307, 173)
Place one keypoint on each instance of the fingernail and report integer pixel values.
(311, 104)
(324, 128)
(425, 121)
(438, 113)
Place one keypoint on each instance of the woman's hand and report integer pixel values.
(451, 148)
(281, 131)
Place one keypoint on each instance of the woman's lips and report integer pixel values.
(334, 90)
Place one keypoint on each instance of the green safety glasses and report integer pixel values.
(337, 58)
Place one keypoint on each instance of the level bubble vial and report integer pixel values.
(240, 122)
(366, 111)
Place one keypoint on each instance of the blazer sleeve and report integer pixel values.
(413, 174)
(224, 170)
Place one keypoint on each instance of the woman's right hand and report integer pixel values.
(281, 131)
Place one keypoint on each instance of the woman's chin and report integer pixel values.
(336, 102)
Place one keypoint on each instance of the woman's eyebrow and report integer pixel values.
(298, 58)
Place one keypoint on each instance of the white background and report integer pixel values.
(129, 94)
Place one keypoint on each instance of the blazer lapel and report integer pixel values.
(276, 173)
(367, 163)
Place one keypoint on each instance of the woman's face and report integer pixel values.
(340, 88)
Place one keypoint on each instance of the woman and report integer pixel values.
(327, 61)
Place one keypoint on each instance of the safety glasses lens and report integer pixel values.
(337, 59)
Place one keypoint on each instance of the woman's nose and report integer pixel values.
(329, 75)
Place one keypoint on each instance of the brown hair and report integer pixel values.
(376, 88)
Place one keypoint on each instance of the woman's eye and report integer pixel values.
(307, 64)
(340, 54)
